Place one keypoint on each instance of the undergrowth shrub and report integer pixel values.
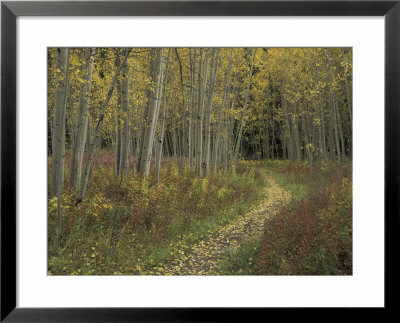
(127, 225)
(311, 236)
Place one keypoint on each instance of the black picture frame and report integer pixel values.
(10, 10)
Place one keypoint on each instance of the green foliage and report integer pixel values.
(241, 261)
(135, 225)
(312, 236)
(298, 190)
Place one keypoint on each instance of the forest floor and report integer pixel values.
(268, 218)
(205, 256)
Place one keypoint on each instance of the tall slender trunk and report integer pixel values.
(152, 113)
(125, 129)
(182, 149)
(339, 122)
(59, 132)
(57, 171)
(296, 132)
(265, 135)
(321, 113)
(164, 107)
(288, 131)
(213, 73)
(117, 147)
(241, 122)
(117, 117)
(333, 107)
(349, 101)
(78, 146)
(226, 93)
(202, 85)
(161, 138)
(335, 128)
(138, 142)
(192, 65)
(98, 129)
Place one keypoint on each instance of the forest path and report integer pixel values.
(207, 253)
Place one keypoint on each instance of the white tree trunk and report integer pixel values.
(202, 86)
(241, 122)
(82, 122)
(213, 74)
(152, 114)
(219, 120)
(192, 78)
(125, 133)
(163, 121)
(59, 132)
(98, 129)
(57, 178)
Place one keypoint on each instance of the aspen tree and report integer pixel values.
(222, 107)
(125, 129)
(163, 121)
(241, 121)
(192, 66)
(213, 73)
(117, 116)
(62, 63)
(83, 119)
(151, 115)
(59, 131)
(98, 129)
(214, 104)
(203, 72)
(332, 103)
(349, 103)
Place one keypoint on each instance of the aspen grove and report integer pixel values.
(158, 156)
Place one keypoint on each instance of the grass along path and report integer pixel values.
(205, 255)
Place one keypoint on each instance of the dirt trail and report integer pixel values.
(207, 253)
